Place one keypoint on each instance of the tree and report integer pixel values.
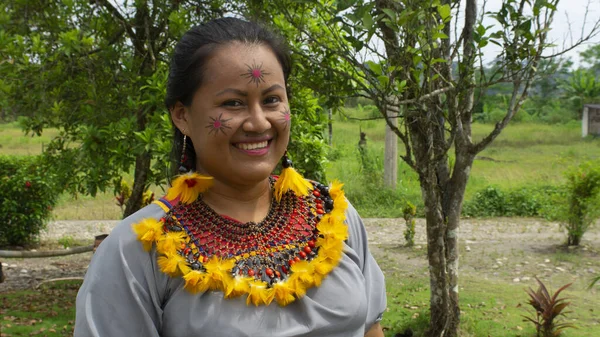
(415, 62)
(97, 70)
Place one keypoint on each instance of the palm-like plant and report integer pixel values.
(547, 309)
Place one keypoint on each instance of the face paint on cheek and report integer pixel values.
(255, 74)
(218, 124)
(285, 118)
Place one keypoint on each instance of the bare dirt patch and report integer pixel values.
(507, 249)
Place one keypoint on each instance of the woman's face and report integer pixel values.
(239, 119)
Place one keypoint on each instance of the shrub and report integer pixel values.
(583, 195)
(408, 213)
(28, 195)
(531, 201)
(547, 309)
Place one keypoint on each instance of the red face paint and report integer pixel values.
(218, 124)
(255, 74)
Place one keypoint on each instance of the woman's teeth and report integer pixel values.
(252, 146)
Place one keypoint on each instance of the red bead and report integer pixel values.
(302, 255)
(320, 211)
(186, 251)
(250, 272)
(278, 274)
(311, 244)
(316, 193)
(307, 249)
(205, 259)
(319, 206)
(291, 262)
(296, 259)
(269, 272)
(284, 269)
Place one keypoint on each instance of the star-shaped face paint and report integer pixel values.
(218, 124)
(255, 73)
(285, 118)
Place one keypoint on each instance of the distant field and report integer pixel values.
(523, 154)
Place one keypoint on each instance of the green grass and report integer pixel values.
(14, 142)
(48, 311)
(489, 307)
(523, 154)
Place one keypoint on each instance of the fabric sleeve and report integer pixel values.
(374, 279)
(122, 291)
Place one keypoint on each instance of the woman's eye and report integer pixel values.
(232, 103)
(272, 100)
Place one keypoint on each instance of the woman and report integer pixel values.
(231, 250)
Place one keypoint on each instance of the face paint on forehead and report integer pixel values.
(255, 73)
(285, 118)
(218, 124)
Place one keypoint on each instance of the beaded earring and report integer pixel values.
(188, 185)
(290, 180)
(182, 167)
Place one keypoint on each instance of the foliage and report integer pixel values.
(580, 88)
(408, 213)
(66, 241)
(123, 192)
(583, 200)
(529, 201)
(28, 195)
(547, 309)
(100, 80)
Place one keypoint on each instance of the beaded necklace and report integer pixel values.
(297, 244)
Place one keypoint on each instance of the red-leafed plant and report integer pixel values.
(547, 309)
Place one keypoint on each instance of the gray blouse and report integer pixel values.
(125, 294)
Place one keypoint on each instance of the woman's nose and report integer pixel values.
(257, 120)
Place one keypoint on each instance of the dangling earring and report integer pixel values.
(188, 185)
(291, 180)
(182, 167)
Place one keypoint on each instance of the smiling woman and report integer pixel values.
(232, 250)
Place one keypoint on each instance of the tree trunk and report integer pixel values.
(142, 167)
(390, 168)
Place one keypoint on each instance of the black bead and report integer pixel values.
(183, 169)
(286, 162)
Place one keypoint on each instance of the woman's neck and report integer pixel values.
(243, 203)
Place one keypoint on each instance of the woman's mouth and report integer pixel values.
(255, 148)
(252, 146)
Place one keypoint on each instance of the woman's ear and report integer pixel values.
(179, 116)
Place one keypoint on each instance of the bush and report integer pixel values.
(28, 196)
(532, 201)
(548, 308)
(583, 195)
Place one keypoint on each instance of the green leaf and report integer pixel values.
(444, 11)
(384, 80)
(367, 21)
(375, 67)
(390, 13)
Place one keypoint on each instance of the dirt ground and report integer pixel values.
(508, 249)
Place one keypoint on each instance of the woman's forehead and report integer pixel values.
(243, 64)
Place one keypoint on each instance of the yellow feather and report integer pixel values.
(283, 293)
(196, 282)
(257, 293)
(219, 273)
(239, 287)
(169, 263)
(304, 271)
(170, 242)
(188, 187)
(148, 231)
(291, 180)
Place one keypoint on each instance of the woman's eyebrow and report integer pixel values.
(231, 90)
(272, 88)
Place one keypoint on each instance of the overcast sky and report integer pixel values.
(559, 35)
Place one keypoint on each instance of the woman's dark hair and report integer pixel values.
(197, 45)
